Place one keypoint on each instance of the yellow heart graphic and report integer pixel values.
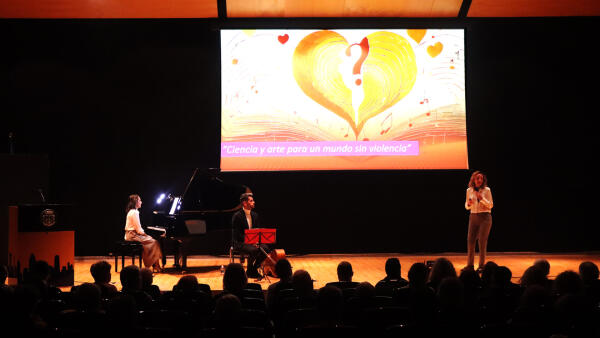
(388, 74)
(435, 50)
(416, 34)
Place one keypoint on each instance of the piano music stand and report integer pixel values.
(258, 236)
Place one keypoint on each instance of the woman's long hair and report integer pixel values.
(472, 180)
(132, 203)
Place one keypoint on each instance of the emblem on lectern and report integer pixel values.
(48, 217)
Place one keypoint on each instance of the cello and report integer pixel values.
(268, 264)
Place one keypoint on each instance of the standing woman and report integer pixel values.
(134, 232)
(479, 202)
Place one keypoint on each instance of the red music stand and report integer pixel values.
(258, 236)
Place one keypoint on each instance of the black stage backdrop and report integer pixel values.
(132, 106)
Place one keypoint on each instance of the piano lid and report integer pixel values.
(207, 193)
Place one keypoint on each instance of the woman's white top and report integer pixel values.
(485, 204)
(132, 223)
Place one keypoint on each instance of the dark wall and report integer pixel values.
(124, 106)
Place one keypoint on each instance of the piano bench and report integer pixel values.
(233, 253)
(127, 248)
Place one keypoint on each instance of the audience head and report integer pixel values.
(502, 276)
(187, 284)
(487, 273)
(228, 310)
(534, 298)
(234, 279)
(131, 278)
(302, 282)
(451, 293)
(533, 276)
(365, 290)
(441, 269)
(417, 275)
(344, 271)
(122, 311)
(470, 278)
(283, 269)
(392, 268)
(88, 297)
(330, 302)
(40, 271)
(101, 272)
(568, 282)
(588, 272)
(543, 265)
(147, 277)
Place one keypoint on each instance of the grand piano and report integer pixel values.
(200, 216)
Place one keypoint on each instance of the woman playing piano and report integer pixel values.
(134, 232)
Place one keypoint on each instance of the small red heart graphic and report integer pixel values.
(283, 38)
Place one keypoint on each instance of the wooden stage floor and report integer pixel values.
(322, 268)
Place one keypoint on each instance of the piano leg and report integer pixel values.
(177, 244)
(161, 242)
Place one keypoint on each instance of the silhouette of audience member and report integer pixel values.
(303, 285)
(365, 295)
(487, 274)
(131, 285)
(283, 269)
(39, 276)
(330, 303)
(122, 312)
(589, 275)
(87, 317)
(88, 297)
(533, 312)
(544, 266)
(147, 286)
(418, 296)
(441, 269)
(450, 317)
(502, 297)
(393, 279)
(227, 314)
(344, 273)
(451, 295)
(101, 273)
(568, 282)
(188, 296)
(234, 279)
(533, 275)
(472, 287)
(573, 310)
(187, 284)
(503, 281)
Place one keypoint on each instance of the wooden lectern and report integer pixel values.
(42, 232)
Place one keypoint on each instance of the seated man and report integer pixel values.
(345, 273)
(246, 218)
(393, 279)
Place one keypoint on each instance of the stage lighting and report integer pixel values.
(160, 199)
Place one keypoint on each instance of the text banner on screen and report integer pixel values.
(333, 148)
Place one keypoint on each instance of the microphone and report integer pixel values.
(42, 195)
